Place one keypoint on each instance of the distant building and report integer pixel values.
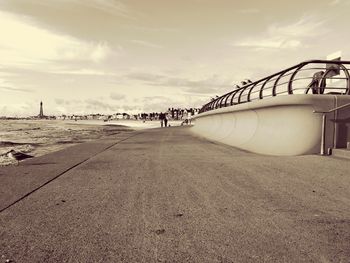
(41, 113)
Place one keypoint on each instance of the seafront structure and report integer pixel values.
(41, 113)
(304, 109)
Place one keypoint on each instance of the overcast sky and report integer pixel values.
(85, 56)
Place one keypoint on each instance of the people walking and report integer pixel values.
(161, 118)
(165, 120)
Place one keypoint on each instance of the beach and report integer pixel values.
(39, 137)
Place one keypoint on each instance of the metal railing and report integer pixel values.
(314, 76)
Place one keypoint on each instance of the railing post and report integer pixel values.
(323, 135)
(324, 122)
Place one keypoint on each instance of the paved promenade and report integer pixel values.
(163, 195)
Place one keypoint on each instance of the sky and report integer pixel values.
(109, 56)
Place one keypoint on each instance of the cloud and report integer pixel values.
(92, 72)
(206, 85)
(335, 2)
(274, 42)
(8, 86)
(99, 105)
(14, 89)
(145, 76)
(100, 52)
(151, 29)
(60, 101)
(290, 36)
(213, 82)
(18, 109)
(24, 44)
(248, 11)
(145, 44)
(112, 7)
(304, 27)
(70, 49)
(109, 6)
(339, 2)
(131, 108)
(155, 98)
(206, 90)
(158, 103)
(117, 96)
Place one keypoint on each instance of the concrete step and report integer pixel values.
(342, 153)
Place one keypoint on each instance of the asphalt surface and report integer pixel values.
(18, 181)
(164, 195)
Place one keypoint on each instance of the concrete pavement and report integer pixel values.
(164, 195)
(19, 181)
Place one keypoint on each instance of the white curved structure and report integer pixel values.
(282, 125)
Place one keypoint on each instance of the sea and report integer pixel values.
(39, 137)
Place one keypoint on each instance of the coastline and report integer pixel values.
(39, 137)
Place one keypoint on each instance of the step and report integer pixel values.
(342, 153)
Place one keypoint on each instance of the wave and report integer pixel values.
(11, 147)
(6, 144)
(27, 129)
(9, 143)
(68, 142)
(13, 156)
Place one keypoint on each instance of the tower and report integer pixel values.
(41, 114)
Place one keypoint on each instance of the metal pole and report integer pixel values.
(323, 136)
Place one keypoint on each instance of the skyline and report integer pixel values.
(85, 56)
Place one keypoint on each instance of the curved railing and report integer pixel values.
(314, 76)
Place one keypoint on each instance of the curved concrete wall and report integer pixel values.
(284, 125)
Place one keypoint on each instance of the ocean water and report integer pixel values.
(39, 137)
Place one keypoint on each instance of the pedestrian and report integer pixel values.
(166, 120)
(189, 115)
(161, 118)
(317, 84)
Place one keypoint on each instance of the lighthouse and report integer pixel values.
(41, 113)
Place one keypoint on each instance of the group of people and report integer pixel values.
(163, 119)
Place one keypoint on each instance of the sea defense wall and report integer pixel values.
(284, 125)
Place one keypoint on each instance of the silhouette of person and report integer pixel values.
(161, 118)
(315, 83)
(165, 120)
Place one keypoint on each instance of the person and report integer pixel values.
(316, 85)
(161, 118)
(189, 115)
(166, 120)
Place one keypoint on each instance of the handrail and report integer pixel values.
(273, 85)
